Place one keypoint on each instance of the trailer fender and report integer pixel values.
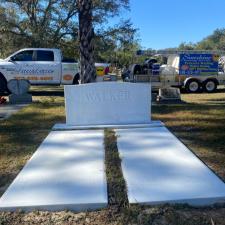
(191, 78)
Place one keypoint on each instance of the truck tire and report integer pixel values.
(210, 85)
(3, 84)
(192, 86)
(76, 79)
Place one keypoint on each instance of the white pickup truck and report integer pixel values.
(40, 66)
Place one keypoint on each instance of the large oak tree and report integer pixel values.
(47, 23)
(55, 23)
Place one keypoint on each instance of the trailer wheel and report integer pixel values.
(192, 86)
(3, 84)
(210, 86)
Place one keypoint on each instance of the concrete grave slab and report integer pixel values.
(7, 110)
(66, 172)
(107, 103)
(158, 168)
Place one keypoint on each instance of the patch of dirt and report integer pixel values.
(134, 215)
(58, 218)
(179, 215)
(116, 185)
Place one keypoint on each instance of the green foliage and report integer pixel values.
(103, 10)
(215, 41)
(186, 46)
(36, 23)
(54, 23)
(117, 44)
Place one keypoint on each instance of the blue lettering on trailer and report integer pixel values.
(198, 64)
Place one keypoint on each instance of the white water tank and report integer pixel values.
(167, 70)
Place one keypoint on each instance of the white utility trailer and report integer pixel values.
(193, 70)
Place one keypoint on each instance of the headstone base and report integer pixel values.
(169, 101)
(20, 99)
(61, 126)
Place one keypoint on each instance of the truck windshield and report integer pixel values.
(23, 56)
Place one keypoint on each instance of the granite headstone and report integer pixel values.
(19, 90)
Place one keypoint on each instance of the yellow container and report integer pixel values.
(100, 70)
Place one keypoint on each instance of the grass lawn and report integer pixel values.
(199, 124)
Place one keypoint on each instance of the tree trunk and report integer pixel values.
(86, 34)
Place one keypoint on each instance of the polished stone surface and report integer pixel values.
(108, 103)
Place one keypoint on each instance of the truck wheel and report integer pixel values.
(210, 86)
(192, 86)
(76, 79)
(3, 84)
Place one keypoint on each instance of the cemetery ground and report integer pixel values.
(199, 124)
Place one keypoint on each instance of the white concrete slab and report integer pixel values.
(66, 172)
(62, 126)
(7, 110)
(107, 103)
(158, 168)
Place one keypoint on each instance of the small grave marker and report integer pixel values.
(19, 90)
